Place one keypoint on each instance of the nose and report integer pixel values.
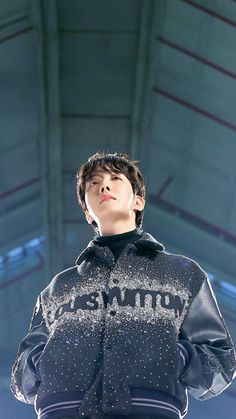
(104, 186)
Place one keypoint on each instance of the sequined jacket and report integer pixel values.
(126, 337)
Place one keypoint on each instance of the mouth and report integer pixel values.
(106, 198)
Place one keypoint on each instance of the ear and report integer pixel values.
(139, 203)
(88, 217)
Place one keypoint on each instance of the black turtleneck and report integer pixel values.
(117, 242)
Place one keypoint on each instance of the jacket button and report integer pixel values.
(110, 389)
(109, 348)
(112, 313)
(116, 281)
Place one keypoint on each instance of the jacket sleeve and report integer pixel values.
(25, 378)
(206, 347)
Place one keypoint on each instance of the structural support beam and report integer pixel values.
(141, 74)
(44, 19)
(157, 20)
(182, 237)
(14, 25)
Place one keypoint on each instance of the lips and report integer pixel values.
(106, 197)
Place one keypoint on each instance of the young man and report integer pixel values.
(128, 330)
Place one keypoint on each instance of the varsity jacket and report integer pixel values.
(129, 337)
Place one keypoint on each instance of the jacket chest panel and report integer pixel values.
(134, 289)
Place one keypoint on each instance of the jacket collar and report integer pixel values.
(146, 241)
(149, 242)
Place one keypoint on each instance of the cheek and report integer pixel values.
(130, 201)
(88, 201)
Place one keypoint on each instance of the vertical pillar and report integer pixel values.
(44, 19)
(141, 76)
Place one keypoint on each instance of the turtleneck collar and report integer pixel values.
(114, 238)
(146, 240)
(117, 242)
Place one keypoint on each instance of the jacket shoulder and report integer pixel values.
(184, 268)
(61, 279)
(182, 260)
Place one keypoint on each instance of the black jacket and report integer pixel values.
(127, 337)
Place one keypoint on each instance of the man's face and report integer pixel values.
(119, 208)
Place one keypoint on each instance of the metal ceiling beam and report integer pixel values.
(141, 73)
(145, 144)
(44, 19)
(11, 26)
(183, 237)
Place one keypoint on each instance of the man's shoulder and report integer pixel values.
(61, 278)
(65, 273)
(183, 263)
(177, 258)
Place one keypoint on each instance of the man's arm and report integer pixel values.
(206, 346)
(25, 378)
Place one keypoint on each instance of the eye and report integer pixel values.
(116, 177)
(92, 183)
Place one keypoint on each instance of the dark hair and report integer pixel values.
(117, 163)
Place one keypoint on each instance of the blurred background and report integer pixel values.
(152, 78)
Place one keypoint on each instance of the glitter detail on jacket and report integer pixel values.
(107, 333)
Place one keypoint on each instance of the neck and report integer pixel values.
(116, 229)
